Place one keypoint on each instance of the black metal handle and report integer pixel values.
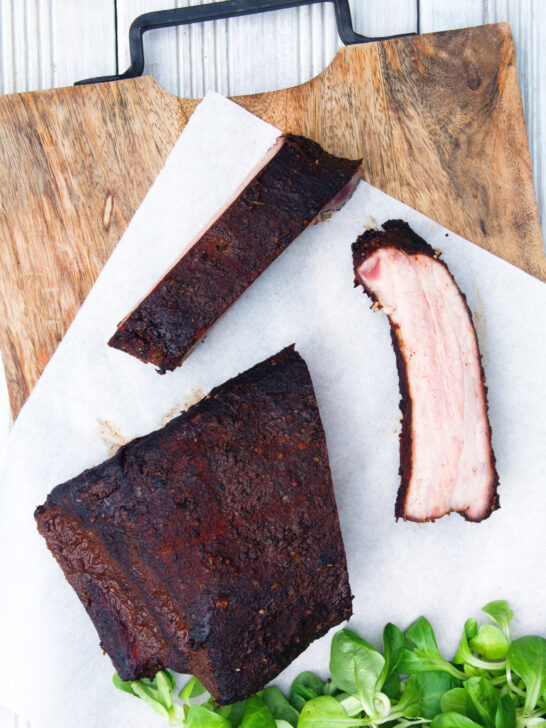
(218, 11)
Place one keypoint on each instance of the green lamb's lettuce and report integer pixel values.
(421, 653)
(192, 689)
(527, 658)
(279, 706)
(356, 668)
(491, 682)
(327, 711)
(500, 613)
(393, 649)
(490, 642)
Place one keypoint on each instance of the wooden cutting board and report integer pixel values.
(437, 118)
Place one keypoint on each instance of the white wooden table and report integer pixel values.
(47, 43)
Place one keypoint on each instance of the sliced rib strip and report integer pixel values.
(296, 182)
(446, 458)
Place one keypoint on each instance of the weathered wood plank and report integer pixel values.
(528, 21)
(447, 15)
(49, 43)
(253, 54)
(385, 18)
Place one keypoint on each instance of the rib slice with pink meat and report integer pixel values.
(446, 459)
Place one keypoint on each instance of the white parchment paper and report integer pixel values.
(91, 399)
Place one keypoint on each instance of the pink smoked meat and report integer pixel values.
(446, 459)
(294, 185)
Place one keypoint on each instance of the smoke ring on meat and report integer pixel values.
(447, 462)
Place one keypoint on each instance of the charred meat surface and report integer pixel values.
(211, 546)
(446, 458)
(297, 182)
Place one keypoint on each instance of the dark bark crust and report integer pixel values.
(398, 234)
(394, 234)
(211, 546)
(275, 207)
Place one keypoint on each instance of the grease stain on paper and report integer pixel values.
(480, 324)
(194, 395)
(370, 223)
(111, 436)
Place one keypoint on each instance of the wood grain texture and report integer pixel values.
(89, 155)
(437, 119)
(527, 19)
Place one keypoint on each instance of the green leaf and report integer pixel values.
(527, 657)
(326, 712)
(463, 650)
(279, 706)
(505, 716)
(177, 714)
(351, 703)
(234, 712)
(192, 689)
(330, 688)
(391, 686)
(490, 642)
(257, 715)
(433, 685)
(416, 661)
(123, 684)
(341, 696)
(409, 704)
(150, 696)
(472, 671)
(500, 612)
(393, 647)
(421, 635)
(471, 628)
(453, 720)
(199, 717)
(156, 693)
(484, 699)
(421, 653)
(356, 667)
(300, 694)
(455, 700)
(283, 724)
(464, 653)
(164, 689)
(310, 680)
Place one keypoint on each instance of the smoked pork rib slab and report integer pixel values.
(446, 458)
(211, 546)
(296, 182)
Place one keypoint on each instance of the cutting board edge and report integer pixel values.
(178, 111)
